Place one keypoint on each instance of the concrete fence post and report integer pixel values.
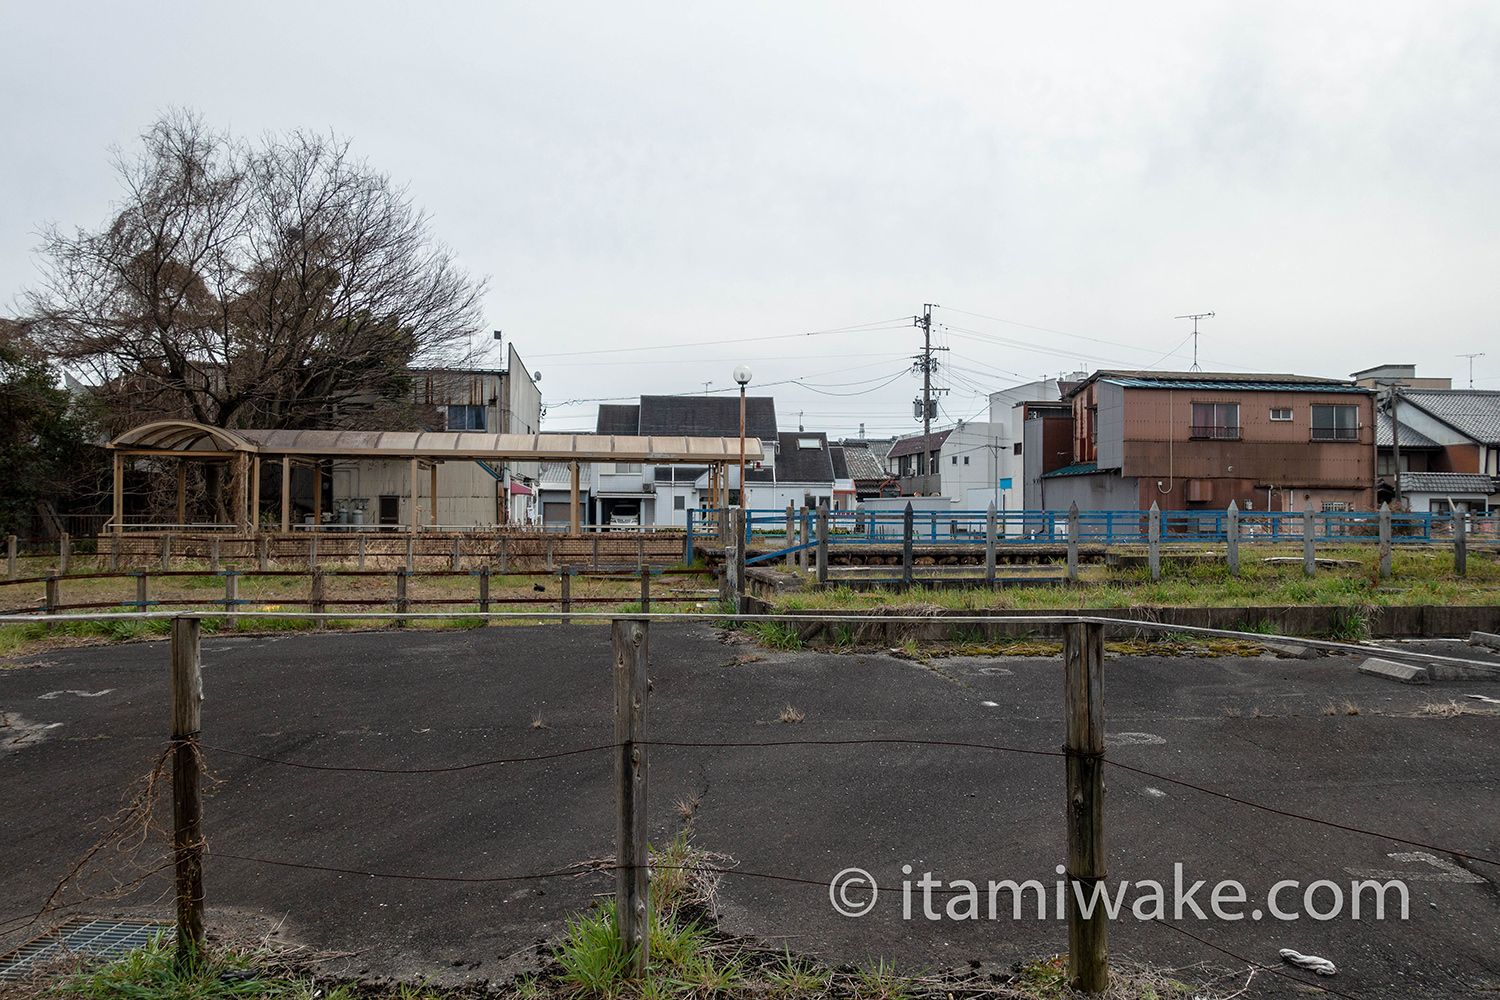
(908, 530)
(1153, 540)
(822, 543)
(989, 546)
(791, 529)
(10, 557)
(1232, 538)
(64, 550)
(1073, 542)
(1309, 558)
(1385, 541)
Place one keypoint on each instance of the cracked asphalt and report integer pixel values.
(1305, 736)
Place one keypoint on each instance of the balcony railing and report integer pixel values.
(1335, 433)
(1213, 433)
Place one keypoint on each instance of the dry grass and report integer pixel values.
(687, 808)
(790, 714)
(538, 722)
(1452, 709)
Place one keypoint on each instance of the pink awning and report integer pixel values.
(519, 489)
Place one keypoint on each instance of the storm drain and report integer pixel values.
(81, 936)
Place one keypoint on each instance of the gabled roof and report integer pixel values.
(619, 418)
(1447, 482)
(1076, 469)
(1410, 436)
(795, 464)
(1474, 412)
(863, 463)
(840, 462)
(707, 416)
(919, 443)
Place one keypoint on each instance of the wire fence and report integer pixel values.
(185, 755)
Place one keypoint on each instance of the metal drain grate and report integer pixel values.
(81, 936)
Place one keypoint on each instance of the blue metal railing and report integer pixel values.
(1106, 527)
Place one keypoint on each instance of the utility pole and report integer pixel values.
(927, 365)
(1195, 317)
(1471, 358)
(1395, 447)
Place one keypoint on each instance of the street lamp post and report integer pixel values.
(742, 376)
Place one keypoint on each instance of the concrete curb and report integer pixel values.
(1403, 673)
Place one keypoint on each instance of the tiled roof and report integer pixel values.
(1410, 436)
(1475, 412)
(919, 443)
(840, 462)
(619, 418)
(803, 465)
(553, 473)
(1447, 482)
(863, 463)
(708, 416)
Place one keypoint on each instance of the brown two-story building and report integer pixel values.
(1197, 440)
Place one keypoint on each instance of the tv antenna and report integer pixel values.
(705, 387)
(1471, 358)
(1195, 317)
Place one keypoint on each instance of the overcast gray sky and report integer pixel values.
(1062, 179)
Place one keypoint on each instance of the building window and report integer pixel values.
(921, 463)
(966, 459)
(1281, 413)
(1216, 421)
(1335, 423)
(679, 502)
(1018, 448)
(628, 467)
(809, 443)
(465, 418)
(954, 460)
(1337, 506)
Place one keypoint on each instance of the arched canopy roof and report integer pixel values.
(192, 439)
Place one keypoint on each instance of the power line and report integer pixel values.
(896, 323)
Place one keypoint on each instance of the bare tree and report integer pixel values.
(280, 284)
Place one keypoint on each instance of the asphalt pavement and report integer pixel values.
(1311, 737)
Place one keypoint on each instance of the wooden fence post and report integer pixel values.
(632, 886)
(822, 545)
(361, 548)
(1153, 541)
(411, 554)
(1309, 559)
(54, 593)
(804, 535)
(908, 529)
(312, 551)
(504, 557)
(315, 597)
(645, 589)
(1083, 708)
(142, 591)
(1232, 538)
(402, 604)
(1073, 542)
(687, 540)
(549, 555)
(231, 599)
(640, 551)
(565, 602)
(458, 552)
(187, 802)
(166, 553)
(263, 553)
(1385, 541)
(989, 546)
(10, 557)
(1460, 543)
(484, 592)
(791, 519)
(64, 549)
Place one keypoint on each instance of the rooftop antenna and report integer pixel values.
(1195, 317)
(1471, 358)
(799, 420)
(705, 387)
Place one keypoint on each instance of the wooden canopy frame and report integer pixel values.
(246, 448)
